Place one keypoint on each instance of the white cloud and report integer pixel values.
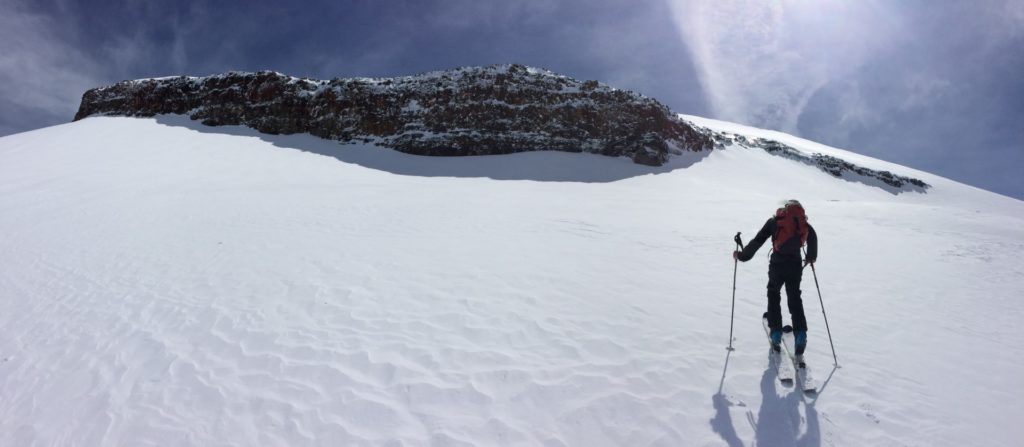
(39, 70)
(760, 62)
(45, 67)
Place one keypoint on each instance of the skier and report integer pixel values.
(789, 231)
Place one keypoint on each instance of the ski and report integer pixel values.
(783, 368)
(803, 373)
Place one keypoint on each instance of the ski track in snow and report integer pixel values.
(162, 286)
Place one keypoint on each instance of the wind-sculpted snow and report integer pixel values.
(469, 111)
(166, 285)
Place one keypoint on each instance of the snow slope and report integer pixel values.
(163, 283)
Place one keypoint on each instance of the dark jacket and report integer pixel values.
(788, 250)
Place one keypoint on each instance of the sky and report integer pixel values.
(936, 85)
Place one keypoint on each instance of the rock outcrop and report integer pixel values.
(468, 111)
(835, 166)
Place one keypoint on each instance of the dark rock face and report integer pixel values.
(470, 111)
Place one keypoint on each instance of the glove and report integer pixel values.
(809, 261)
(736, 255)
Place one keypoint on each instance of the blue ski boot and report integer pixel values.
(800, 339)
(776, 339)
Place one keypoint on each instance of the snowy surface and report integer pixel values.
(162, 283)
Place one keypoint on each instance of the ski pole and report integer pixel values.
(735, 264)
(815, 272)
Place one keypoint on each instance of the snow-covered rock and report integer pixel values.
(832, 164)
(498, 109)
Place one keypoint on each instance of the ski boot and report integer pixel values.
(776, 340)
(800, 339)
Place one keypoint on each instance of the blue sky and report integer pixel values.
(932, 84)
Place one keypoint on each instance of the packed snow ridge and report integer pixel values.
(498, 109)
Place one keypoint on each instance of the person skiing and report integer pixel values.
(789, 232)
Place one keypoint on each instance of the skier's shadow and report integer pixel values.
(778, 421)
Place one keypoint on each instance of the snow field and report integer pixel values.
(167, 286)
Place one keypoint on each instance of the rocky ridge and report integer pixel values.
(835, 166)
(468, 111)
(498, 109)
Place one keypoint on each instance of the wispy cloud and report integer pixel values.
(48, 57)
(760, 62)
(40, 70)
(930, 84)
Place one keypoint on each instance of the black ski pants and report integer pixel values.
(785, 271)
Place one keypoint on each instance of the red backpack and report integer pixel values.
(790, 221)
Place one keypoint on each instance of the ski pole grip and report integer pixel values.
(738, 240)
